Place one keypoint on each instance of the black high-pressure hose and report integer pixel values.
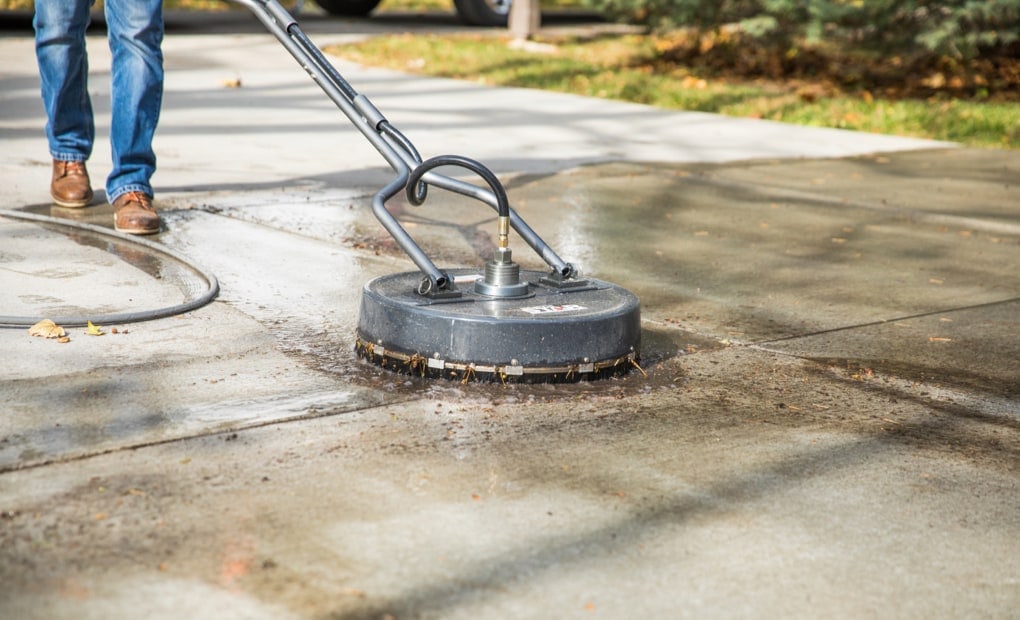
(502, 202)
(416, 196)
(312, 50)
(212, 285)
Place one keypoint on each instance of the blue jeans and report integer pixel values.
(135, 30)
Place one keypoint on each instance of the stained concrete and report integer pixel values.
(825, 423)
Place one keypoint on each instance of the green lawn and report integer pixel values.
(623, 67)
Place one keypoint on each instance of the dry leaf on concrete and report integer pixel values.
(47, 329)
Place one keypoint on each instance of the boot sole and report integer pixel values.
(72, 204)
(137, 231)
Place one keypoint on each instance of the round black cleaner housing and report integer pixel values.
(547, 331)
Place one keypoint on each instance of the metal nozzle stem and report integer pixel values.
(504, 232)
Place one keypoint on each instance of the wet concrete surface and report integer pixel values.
(715, 253)
(826, 422)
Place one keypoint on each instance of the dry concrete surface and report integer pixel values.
(825, 421)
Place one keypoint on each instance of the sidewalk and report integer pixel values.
(829, 424)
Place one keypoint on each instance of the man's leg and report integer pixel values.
(63, 70)
(136, 37)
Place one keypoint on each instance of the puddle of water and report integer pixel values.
(159, 267)
(54, 270)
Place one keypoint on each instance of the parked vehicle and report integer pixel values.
(474, 12)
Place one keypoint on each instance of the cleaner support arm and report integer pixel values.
(412, 174)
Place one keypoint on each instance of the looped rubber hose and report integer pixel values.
(502, 202)
(212, 285)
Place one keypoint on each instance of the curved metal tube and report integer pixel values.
(439, 279)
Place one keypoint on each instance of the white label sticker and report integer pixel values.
(553, 309)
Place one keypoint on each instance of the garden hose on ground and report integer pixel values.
(212, 286)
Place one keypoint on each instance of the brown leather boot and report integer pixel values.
(134, 214)
(70, 186)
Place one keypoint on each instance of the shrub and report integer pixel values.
(957, 28)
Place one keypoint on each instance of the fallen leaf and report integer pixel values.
(47, 329)
(93, 330)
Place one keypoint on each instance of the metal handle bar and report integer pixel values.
(395, 148)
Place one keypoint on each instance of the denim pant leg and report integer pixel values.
(63, 70)
(136, 92)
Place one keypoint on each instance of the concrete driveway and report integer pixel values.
(826, 423)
